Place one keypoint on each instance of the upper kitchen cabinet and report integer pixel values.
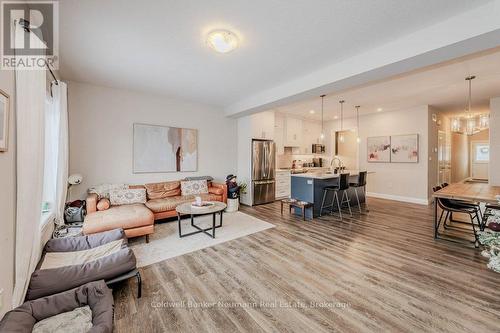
(293, 132)
(311, 132)
(279, 133)
(262, 125)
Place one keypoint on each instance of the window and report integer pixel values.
(482, 153)
(51, 157)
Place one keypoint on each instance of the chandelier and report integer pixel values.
(470, 124)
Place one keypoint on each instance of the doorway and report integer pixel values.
(479, 159)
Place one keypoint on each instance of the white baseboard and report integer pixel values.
(398, 198)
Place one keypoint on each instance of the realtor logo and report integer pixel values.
(29, 34)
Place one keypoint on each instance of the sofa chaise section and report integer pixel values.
(136, 219)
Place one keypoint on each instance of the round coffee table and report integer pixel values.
(188, 209)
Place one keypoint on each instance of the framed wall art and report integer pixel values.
(378, 149)
(404, 148)
(4, 121)
(164, 149)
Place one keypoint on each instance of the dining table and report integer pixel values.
(471, 191)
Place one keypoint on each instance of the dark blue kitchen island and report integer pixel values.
(309, 187)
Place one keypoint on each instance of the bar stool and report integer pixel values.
(360, 183)
(343, 186)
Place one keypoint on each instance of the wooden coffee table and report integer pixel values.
(188, 209)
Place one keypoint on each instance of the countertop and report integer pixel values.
(324, 175)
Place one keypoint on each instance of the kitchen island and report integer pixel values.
(309, 187)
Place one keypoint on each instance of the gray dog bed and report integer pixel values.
(71, 262)
(88, 308)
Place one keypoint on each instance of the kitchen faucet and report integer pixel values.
(340, 164)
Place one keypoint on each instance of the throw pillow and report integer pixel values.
(207, 178)
(103, 190)
(190, 187)
(103, 204)
(126, 197)
(163, 190)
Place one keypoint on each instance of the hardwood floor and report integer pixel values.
(379, 272)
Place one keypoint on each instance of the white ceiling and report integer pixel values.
(443, 87)
(159, 46)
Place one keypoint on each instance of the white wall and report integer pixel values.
(7, 201)
(398, 181)
(495, 141)
(100, 128)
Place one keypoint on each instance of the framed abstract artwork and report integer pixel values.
(378, 149)
(164, 149)
(4, 121)
(404, 148)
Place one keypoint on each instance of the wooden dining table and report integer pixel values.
(466, 191)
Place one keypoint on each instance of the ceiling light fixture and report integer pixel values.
(470, 124)
(341, 136)
(322, 135)
(312, 112)
(379, 109)
(358, 139)
(484, 121)
(222, 41)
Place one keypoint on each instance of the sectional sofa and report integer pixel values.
(138, 219)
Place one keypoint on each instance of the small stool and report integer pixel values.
(293, 203)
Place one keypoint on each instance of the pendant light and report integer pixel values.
(358, 139)
(455, 125)
(341, 136)
(470, 122)
(484, 121)
(322, 135)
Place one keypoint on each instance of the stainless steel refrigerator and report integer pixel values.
(263, 165)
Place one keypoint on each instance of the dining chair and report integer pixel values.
(450, 207)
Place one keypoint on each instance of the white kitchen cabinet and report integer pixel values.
(279, 132)
(262, 125)
(311, 134)
(283, 184)
(293, 132)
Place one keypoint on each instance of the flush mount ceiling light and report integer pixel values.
(311, 111)
(379, 109)
(222, 41)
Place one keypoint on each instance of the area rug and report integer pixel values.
(165, 242)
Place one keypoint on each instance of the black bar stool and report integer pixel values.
(343, 186)
(360, 183)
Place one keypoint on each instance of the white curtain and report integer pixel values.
(60, 109)
(30, 106)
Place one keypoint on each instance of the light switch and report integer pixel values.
(309, 182)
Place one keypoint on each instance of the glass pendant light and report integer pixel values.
(322, 135)
(358, 139)
(470, 124)
(455, 125)
(484, 121)
(341, 136)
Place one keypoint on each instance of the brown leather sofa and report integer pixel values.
(138, 219)
(164, 197)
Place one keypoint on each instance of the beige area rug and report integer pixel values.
(165, 242)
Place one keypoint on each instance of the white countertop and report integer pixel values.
(324, 175)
